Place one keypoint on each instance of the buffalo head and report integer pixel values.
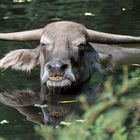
(65, 56)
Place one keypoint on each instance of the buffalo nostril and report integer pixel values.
(56, 65)
(64, 66)
(49, 66)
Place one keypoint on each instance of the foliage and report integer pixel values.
(115, 117)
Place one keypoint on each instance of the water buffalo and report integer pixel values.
(69, 53)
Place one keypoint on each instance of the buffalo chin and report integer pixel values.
(58, 84)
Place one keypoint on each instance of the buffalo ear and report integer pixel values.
(23, 59)
(105, 61)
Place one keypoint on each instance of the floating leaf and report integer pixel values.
(4, 121)
(69, 101)
(89, 14)
(41, 106)
(123, 9)
(65, 123)
(81, 121)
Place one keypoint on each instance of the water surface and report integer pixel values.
(116, 16)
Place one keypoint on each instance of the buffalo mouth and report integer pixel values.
(58, 82)
(56, 78)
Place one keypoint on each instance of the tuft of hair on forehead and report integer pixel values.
(65, 23)
(66, 29)
(62, 25)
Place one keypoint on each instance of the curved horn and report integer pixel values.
(100, 37)
(30, 35)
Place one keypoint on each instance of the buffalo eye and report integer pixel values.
(85, 47)
(82, 46)
(43, 44)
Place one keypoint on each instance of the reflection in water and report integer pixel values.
(49, 109)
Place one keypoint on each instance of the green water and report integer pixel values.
(115, 16)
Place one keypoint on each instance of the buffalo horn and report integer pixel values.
(100, 37)
(30, 35)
